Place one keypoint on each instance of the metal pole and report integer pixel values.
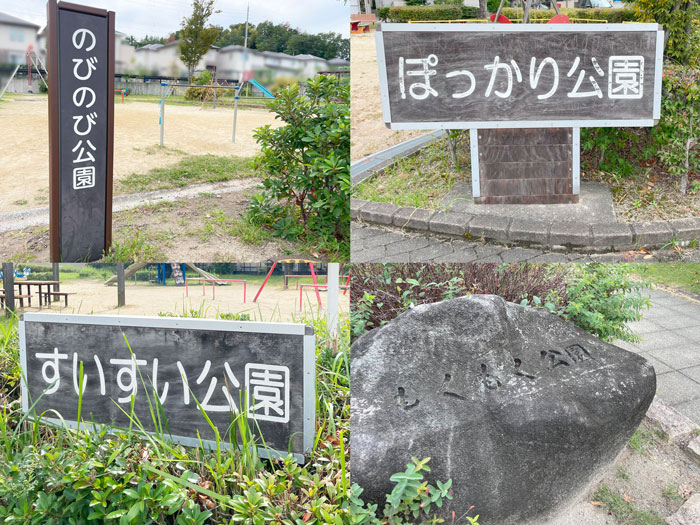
(8, 282)
(162, 111)
(235, 109)
(121, 290)
(333, 283)
(247, 12)
(9, 81)
(56, 276)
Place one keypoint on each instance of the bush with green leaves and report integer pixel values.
(428, 12)
(677, 134)
(681, 22)
(306, 162)
(600, 298)
(674, 140)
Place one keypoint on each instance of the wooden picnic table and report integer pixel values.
(39, 285)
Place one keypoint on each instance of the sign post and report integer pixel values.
(494, 78)
(265, 371)
(81, 130)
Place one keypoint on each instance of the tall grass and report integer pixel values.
(54, 473)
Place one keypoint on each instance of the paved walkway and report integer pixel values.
(375, 244)
(670, 333)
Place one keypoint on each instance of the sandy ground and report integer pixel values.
(369, 134)
(274, 303)
(24, 161)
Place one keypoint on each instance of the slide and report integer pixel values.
(261, 88)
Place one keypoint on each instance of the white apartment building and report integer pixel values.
(17, 36)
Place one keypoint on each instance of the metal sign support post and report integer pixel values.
(235, 108)
(161, 120)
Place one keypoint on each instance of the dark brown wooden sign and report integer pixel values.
(81, 130)
(449, 76)
(265, 371)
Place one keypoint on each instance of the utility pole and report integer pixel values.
(247, 12)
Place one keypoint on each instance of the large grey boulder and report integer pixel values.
(521, 409)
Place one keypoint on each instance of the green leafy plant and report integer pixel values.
(306, 162)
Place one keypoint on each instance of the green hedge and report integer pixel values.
(427, 12)
(453, 12)
(611, 15)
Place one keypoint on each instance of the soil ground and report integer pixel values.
(198, 229)
(368, 132)
(189, 130)
(274, 304)
(641, 479)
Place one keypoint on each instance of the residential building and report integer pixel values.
(17, 36)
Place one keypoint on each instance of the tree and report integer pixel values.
(483, 9)
(235, 35)
(306, 161)
(273, 37)
(195, 37)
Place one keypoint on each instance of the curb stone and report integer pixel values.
(531, 233)
(600, 237)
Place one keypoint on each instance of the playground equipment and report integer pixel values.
(318, 287)
(274, 265)
(33, 60)
(135, 267)
(167, 90)
(178, 272)
(214, 282)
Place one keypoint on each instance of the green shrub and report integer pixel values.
(307, 160)
(469, 12)
(600, 298)
(383, 13)
(681, 24)
(387, 290)
(281, 83)
(677, 134)
(428, 12)
(610, 15)
(199, 93)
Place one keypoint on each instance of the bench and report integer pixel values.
(65, 295)
(360, 23)
(19, 298)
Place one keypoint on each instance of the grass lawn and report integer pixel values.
(190, 170)
(226, 101)
(420, 180)
(685, 276)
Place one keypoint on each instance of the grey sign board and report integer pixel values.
(81, 92)
(450, 76)
(265, 371)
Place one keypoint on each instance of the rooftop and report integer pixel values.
(13, 20)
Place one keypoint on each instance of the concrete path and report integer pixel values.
(376, 244)
(670, 333)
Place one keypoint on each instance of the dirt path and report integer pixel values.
(369, 134)
(24, 162)
(274, 304)
(40, 216)
(198, 229)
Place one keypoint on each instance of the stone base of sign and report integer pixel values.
(595, 206)
(597, 237)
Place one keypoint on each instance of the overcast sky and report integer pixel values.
(162, 17)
